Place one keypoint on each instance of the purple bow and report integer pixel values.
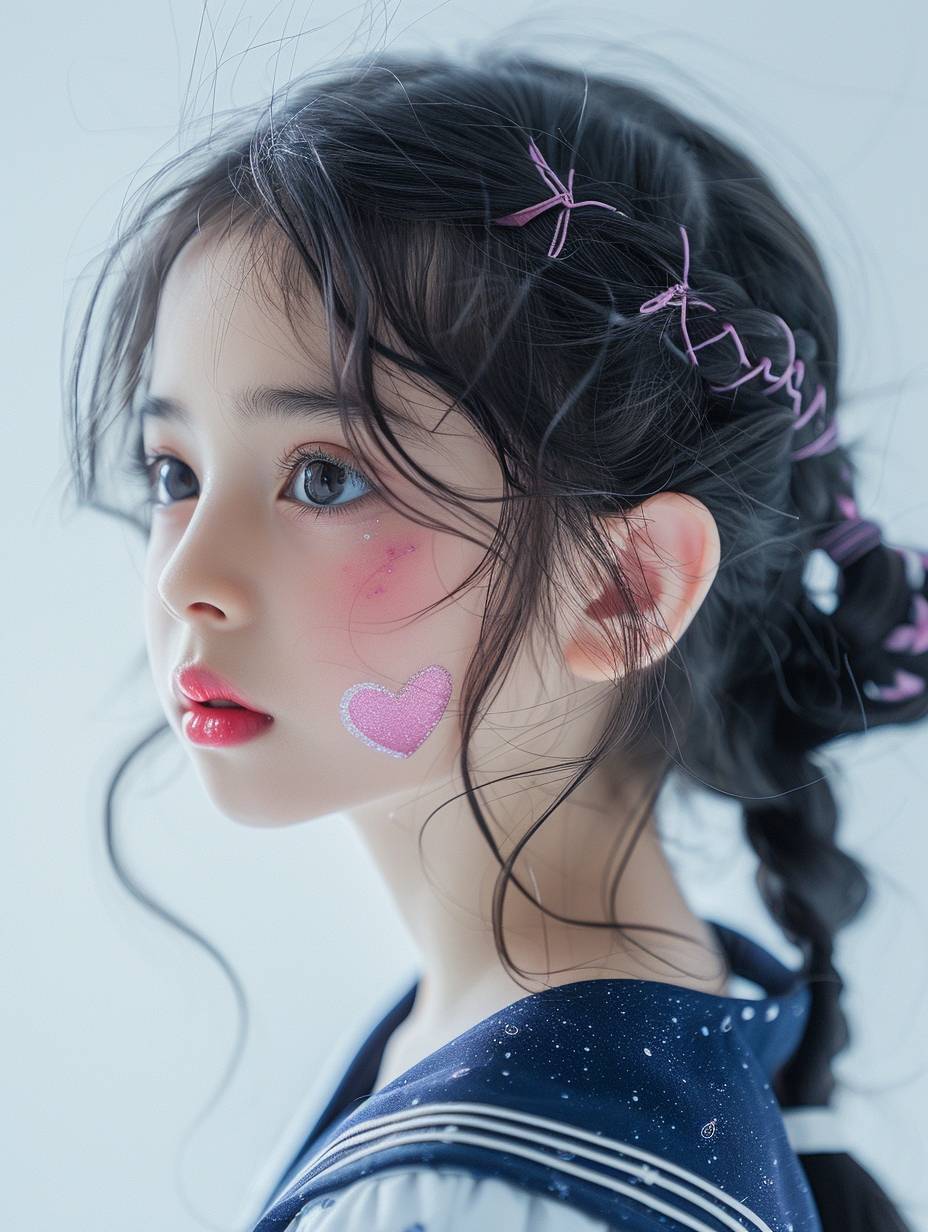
(561, 196)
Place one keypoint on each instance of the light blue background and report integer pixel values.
(115, 1029)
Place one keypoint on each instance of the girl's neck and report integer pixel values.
(444, 892)
(417, 1037)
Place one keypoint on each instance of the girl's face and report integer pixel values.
(297, 584)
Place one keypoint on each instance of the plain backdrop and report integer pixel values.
(116, 1028)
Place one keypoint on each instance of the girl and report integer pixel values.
(486, 419)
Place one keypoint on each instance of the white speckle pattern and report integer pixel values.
(704, 1110)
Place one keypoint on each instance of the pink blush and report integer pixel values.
(378, 581)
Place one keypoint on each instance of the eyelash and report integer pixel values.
(287, 464)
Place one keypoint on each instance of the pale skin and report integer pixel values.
(295, 609)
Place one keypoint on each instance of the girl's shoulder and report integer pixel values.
(583, 1107)
(423, 1199)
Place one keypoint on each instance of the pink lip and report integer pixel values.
(220, 728)
(193, 683)
(207, 725)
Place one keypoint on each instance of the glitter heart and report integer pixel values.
(397, 723)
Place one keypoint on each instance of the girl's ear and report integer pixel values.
(668, 548)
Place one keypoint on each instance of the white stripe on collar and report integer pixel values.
(442, 1121)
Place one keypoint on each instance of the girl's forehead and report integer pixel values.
(220, 294)
(221, 330)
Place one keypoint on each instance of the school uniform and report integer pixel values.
(598, 1105)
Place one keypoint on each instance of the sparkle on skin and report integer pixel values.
(392, 554)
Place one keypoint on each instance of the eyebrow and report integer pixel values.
(263, 402)
(267, 403)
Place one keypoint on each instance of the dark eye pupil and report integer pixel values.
(172, 477)
(324, 481)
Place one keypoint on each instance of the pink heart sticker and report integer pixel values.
(397, 723)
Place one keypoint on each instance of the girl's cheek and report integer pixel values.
(387, 578)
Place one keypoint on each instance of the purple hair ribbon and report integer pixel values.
(911, 639)
(846, 543)
(854, 535)
(678, 294)
(562, 195)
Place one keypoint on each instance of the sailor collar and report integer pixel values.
(628, 1094)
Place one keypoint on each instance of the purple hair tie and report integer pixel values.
(678, 295)
(853, 536)
(562, 195)
(846, 543)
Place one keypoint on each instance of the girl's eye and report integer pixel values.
(327, 483)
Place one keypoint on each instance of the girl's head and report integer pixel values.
(510, 474)
(274, 560)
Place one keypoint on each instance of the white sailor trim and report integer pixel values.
(441, 1122)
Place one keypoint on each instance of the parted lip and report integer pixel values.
(193, 682)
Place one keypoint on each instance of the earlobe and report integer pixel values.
(668, 550)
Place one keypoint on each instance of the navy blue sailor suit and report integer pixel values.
(597, 1105)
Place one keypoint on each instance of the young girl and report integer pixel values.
(486, 420)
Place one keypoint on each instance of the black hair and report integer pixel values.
(379, 182)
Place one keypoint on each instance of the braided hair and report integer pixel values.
(850, 656)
